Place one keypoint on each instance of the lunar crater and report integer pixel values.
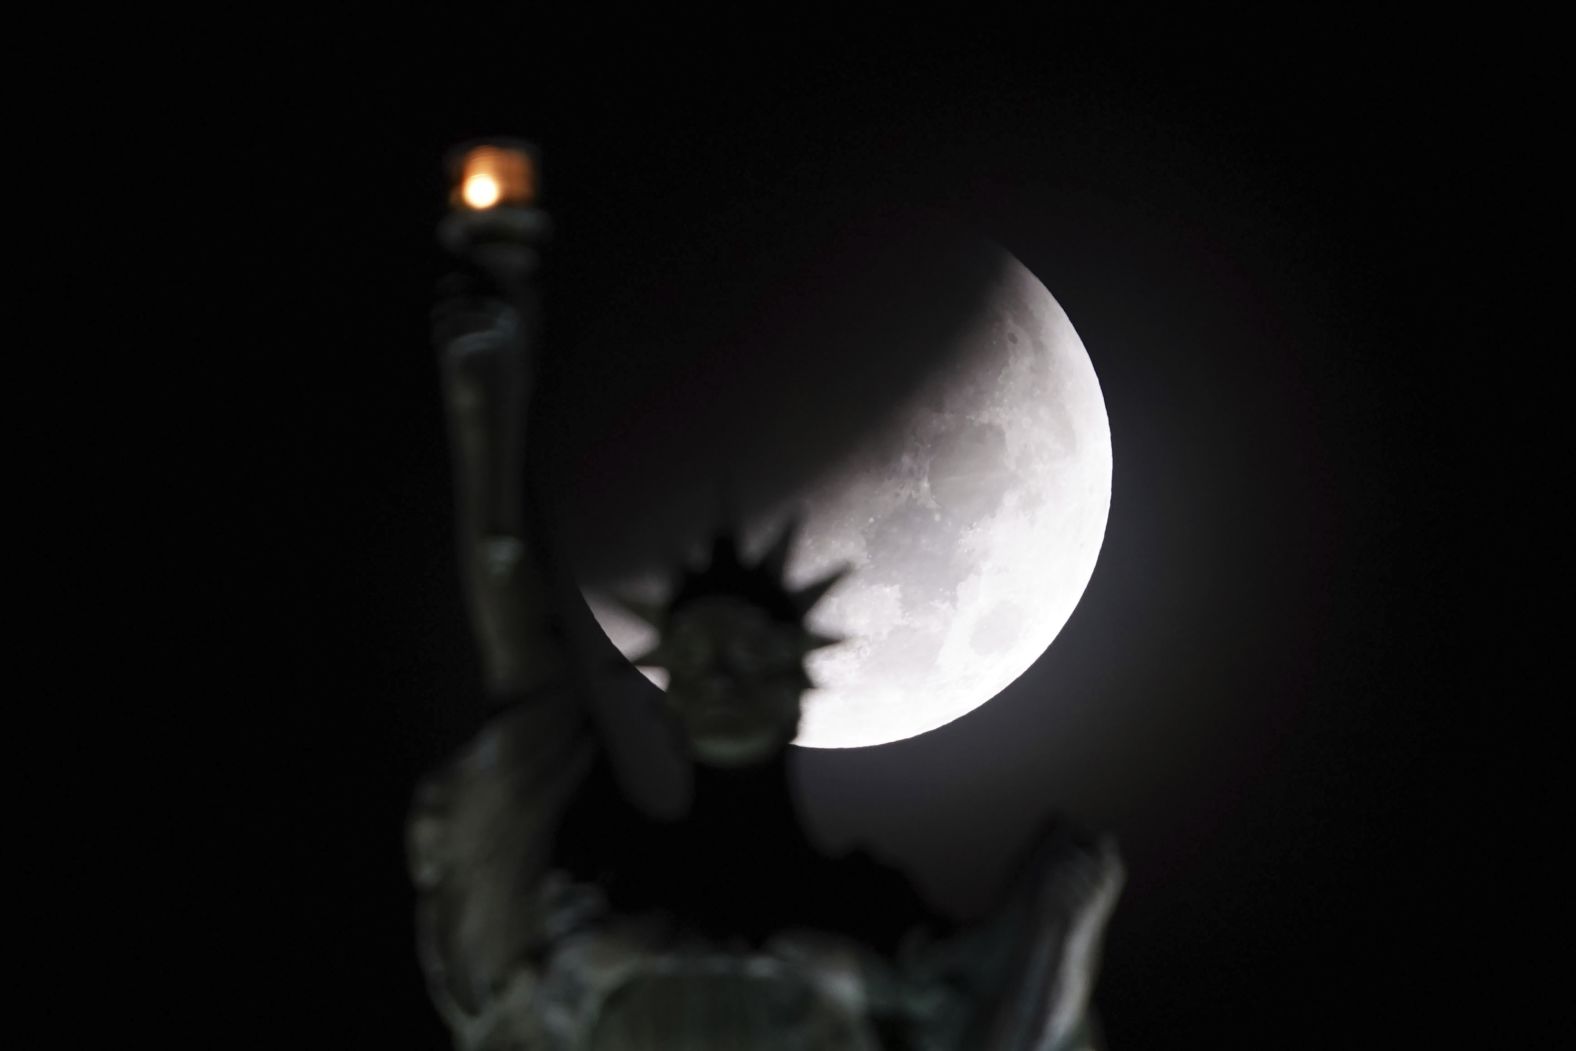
(969, 475)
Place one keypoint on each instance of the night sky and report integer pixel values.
(1264, 232)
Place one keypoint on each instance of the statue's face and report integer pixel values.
(734, 680)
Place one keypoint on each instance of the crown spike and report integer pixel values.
(815, 640)
(725, 550)
(806, 597)
(775, 561)
(728, 515)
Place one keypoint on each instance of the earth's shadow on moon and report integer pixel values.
(818, 339)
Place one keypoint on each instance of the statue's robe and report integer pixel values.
(555, 915)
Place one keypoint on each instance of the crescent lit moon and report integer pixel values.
(972, 520)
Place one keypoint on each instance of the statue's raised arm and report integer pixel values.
(485, 329)
(482, 825)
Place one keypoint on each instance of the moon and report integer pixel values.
(971, 513)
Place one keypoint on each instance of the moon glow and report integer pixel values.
(972, 517)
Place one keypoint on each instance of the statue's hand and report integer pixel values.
(467, 322)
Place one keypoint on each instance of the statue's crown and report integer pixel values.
(760, 583)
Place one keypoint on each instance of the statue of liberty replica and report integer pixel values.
(554, 913)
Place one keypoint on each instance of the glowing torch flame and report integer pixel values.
(481, 191)
(490, 175)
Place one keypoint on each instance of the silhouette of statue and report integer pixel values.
(555, 914)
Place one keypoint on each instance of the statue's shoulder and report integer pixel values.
(479, 840)
(511, 779)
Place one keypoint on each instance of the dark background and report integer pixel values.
(1275, 236)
